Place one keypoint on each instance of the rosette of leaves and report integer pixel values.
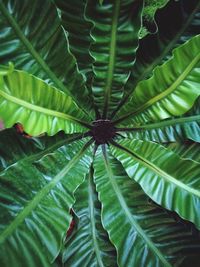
(104, 168)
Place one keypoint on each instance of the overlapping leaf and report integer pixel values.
(88, 244)
(35, 213)
(38, 106)
(35, 41)
(155, 48)
(143, 234)
(78, 29)
(171, 91)
(188, 150)
(29, 149)
(164, 176)
(115, 40)
(148, 21)
(170, 130)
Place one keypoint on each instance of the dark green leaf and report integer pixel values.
(35, 41)
(143, 234)
(35, 203)
(89, 244)
(15, 147)
(115, 40)
(155, 48)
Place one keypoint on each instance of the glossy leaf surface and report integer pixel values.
(143, 234)
(24, 95)
(88, 245)
(170, 130)
(171, 91)
(41, 197)
(115, 40)
(33, 43)
(154, 49)
(186, 150)
(29, 149)
(154, 168)
(80, 72)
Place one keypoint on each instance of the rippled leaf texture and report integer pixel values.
(89, 244)
(29, 149)
(154, 49)
(35, 214)
(115, 40)
(170, 130)
(186, 150)
(44, 181)
(163, 175)
(143, 234)
(35, 41)
(23, 99)
(171, 91)
(78, 29)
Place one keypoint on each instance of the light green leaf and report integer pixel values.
(34, 40)
(35, 213)
(171, 91)
(89, 244)
(154, 49)
(186, 150)
(169, 130)
(72, 13)
(170, 181)
(143, 234)
(115, 40)
(38, 106)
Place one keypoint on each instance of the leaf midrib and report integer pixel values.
(112, 53)
(162, 124)
(33, 157)
(54, 113)
(30, 48)
(128, 214)
(34, 53)
(158, 60)
(92, 220)
(159, 171)
(168, 47)
(40, 195)
(166, 92)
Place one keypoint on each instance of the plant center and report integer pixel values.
(103, 131)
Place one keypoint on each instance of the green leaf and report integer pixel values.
(186, 150)
(154, 49)
(78, 30)
(4, 70)
(164, 176)
(143, 234)
(23, 98)
(35, 213)
(172, 90)
(148, 21)
(72, 13)
(89, 244)
(115, 40)
(29, 149)
(169, 130)
(34, 40)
